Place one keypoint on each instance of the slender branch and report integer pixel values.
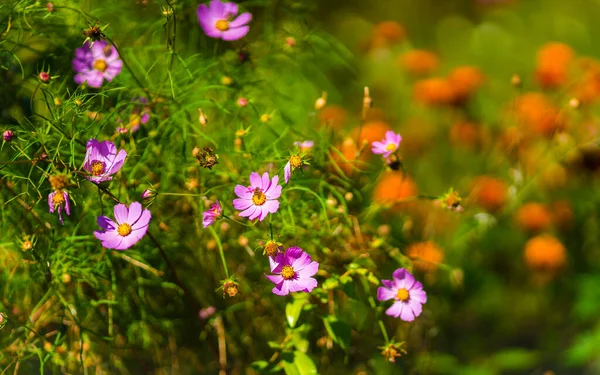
(216, 236)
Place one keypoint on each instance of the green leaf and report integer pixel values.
(304, 363)
(293, 310)
(338, 330)
(515, 359)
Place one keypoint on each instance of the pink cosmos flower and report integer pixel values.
(96, 63)
(218, 20)
(260, 198)
(102, 160)
(387, 146)
(293, 272)
(132, 224)
(212, 214)
(56, 201)
(408, 295)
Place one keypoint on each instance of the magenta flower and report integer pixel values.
(102, 160)
(408, 295)
(387, 146)
(218, 20)
(293, 272)
(260, 198)
(212, 214)
(96, 63)
(132, 224)
(56, 201)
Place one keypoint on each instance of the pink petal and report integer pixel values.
(255, 180)
(383, 294)
(94, 78)
(395, 310)
(257, 214)
(418, 295)
(242, 204)
(416, 307)
(265, 181)
(310, 270)
(67, 204)
(135, 211)
(235, 33)
(121, 213)
(250, 211)
(281, 289)
(217, 8)
(230, 10)
(51, 202)
(275, 279)
(271, 206)
(106, 223)
(242, 19)
(242, 192)
(304, 284)
(407, 313)
(142, 221)
(287, 172)
(403, 278)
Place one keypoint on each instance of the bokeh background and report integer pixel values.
(495, 99)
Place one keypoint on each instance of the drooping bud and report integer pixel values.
(202, 119)
(271, 248)
(516, 81)
(50, 7)
(321, 102)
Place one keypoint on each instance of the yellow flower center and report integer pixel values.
(402, 295)
(58, 198)
(296, 161)
(287, 272)
(391, 147)
(100, 65)
(258, 198)
(124, 229)
(222, 25)
(97, 168)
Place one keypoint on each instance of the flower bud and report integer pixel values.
(147, 194)
(8, 135)
(321, 102)
(242, 102)
(515, 81)
(50, 7)
(202, 119)
(44, 77)
(230, 288)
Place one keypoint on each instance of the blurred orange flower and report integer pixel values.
(490, 193)
(464, 134)
(434, 91)
(419, 62)
(334, 116)
(387, 33)
(465, 80)
(533, 217)
(538, 114)
(553, 61)
(426, 256)
(393, 187)
(545, 252)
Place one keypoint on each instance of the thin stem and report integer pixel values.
(135, 78)
(238, 222)
(220, 246)
(383, 331)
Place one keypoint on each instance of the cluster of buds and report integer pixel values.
(392, 351)
(206, 156)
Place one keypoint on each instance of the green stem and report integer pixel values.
(220, 246)
(383, 331)
(135, 78)
(238, 222)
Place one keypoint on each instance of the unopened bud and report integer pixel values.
(515, 81)
(78, 102)
(57, 102)
(290, 41)
(147, 194)
(230, 288)
(321, 102)
(265, 118)
(242, 102)
(8, 135)
(574, 103)
(202, 119)
(225, 80)
(44, 77)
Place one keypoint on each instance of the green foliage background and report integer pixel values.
(73, 307)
